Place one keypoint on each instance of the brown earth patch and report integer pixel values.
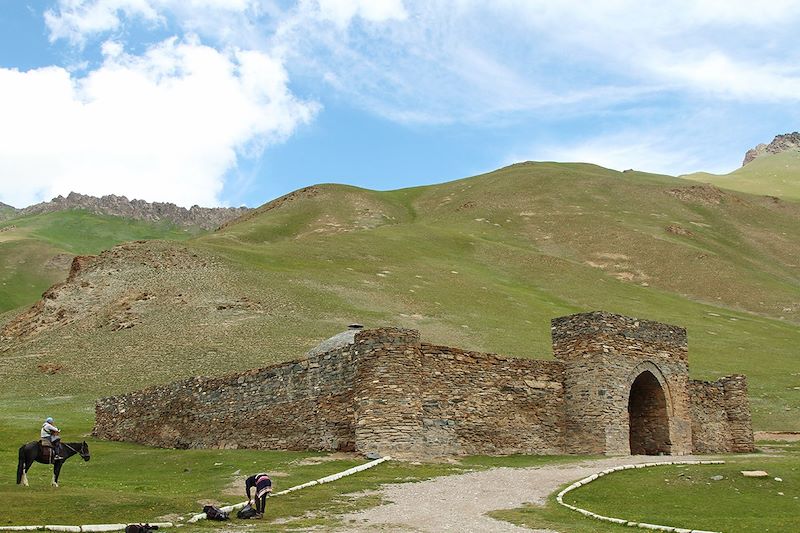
(49, 368)
(676, 229)
(319, 459)
(702, 194)
(785, 436)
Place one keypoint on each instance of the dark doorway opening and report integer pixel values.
(647, 416)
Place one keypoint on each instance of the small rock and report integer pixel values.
(717, 478)
(373, 455)
(778, 479)
(780, 494)
(217, 464)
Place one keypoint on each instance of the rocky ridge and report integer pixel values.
(781, 143)
(202, 217)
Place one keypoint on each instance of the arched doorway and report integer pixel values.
(647, 416)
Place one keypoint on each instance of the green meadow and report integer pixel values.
(482, 263)
(772, 174)
(684, 496)
(130, 483)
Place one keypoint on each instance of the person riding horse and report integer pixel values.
(51, 438)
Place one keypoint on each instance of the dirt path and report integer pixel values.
(785, 436)
(459, 503)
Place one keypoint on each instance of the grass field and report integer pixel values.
(124, 482)
(685, 496)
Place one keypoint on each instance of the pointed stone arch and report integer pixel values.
(649, 411)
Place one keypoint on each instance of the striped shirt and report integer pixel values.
(261, 482)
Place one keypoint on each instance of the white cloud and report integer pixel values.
(166, 125)
(466, 60)
(618, 154)
(669, 149)
(718, 74)
(342, 12)
(422, 62)
(470, 61)
(77, 20)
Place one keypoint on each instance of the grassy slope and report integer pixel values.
(520, 239)
(6, 211)
(771, 174)
(26, 251)
(481, 263)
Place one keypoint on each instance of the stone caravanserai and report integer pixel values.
(618, 385)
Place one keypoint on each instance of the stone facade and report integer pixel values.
(618, 385)
(726, 428)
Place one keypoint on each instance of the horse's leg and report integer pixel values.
(56, 472)
(21, 464)
(28, 464)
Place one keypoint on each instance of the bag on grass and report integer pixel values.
(140, 528)
(246, 512)
(213, 513)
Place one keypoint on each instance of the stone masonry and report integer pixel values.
(617, 386)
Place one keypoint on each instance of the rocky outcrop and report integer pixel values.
(781, 143)
(202, 217)
(112, 290)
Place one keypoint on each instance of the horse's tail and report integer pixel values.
(21, 464)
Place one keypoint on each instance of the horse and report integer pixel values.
(28, 453)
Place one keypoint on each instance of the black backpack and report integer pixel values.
(213, 513)
(246, 512)
(140, 528)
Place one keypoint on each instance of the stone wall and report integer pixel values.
(721, 416)
(618, 385)
(304, 404)
(477, 403)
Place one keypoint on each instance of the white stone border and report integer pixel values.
(88, 528)
(622, 521)
(101, 528)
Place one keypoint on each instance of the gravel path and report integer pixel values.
(459, 503)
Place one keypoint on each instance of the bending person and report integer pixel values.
(263, 487)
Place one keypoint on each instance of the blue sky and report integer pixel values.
(230, 102)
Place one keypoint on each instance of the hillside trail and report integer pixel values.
(460, 502)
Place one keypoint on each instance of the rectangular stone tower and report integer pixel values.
(625, 385)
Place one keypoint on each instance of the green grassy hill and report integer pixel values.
(769, 174)
(6, 211)
(483, 263)
(36, 251)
